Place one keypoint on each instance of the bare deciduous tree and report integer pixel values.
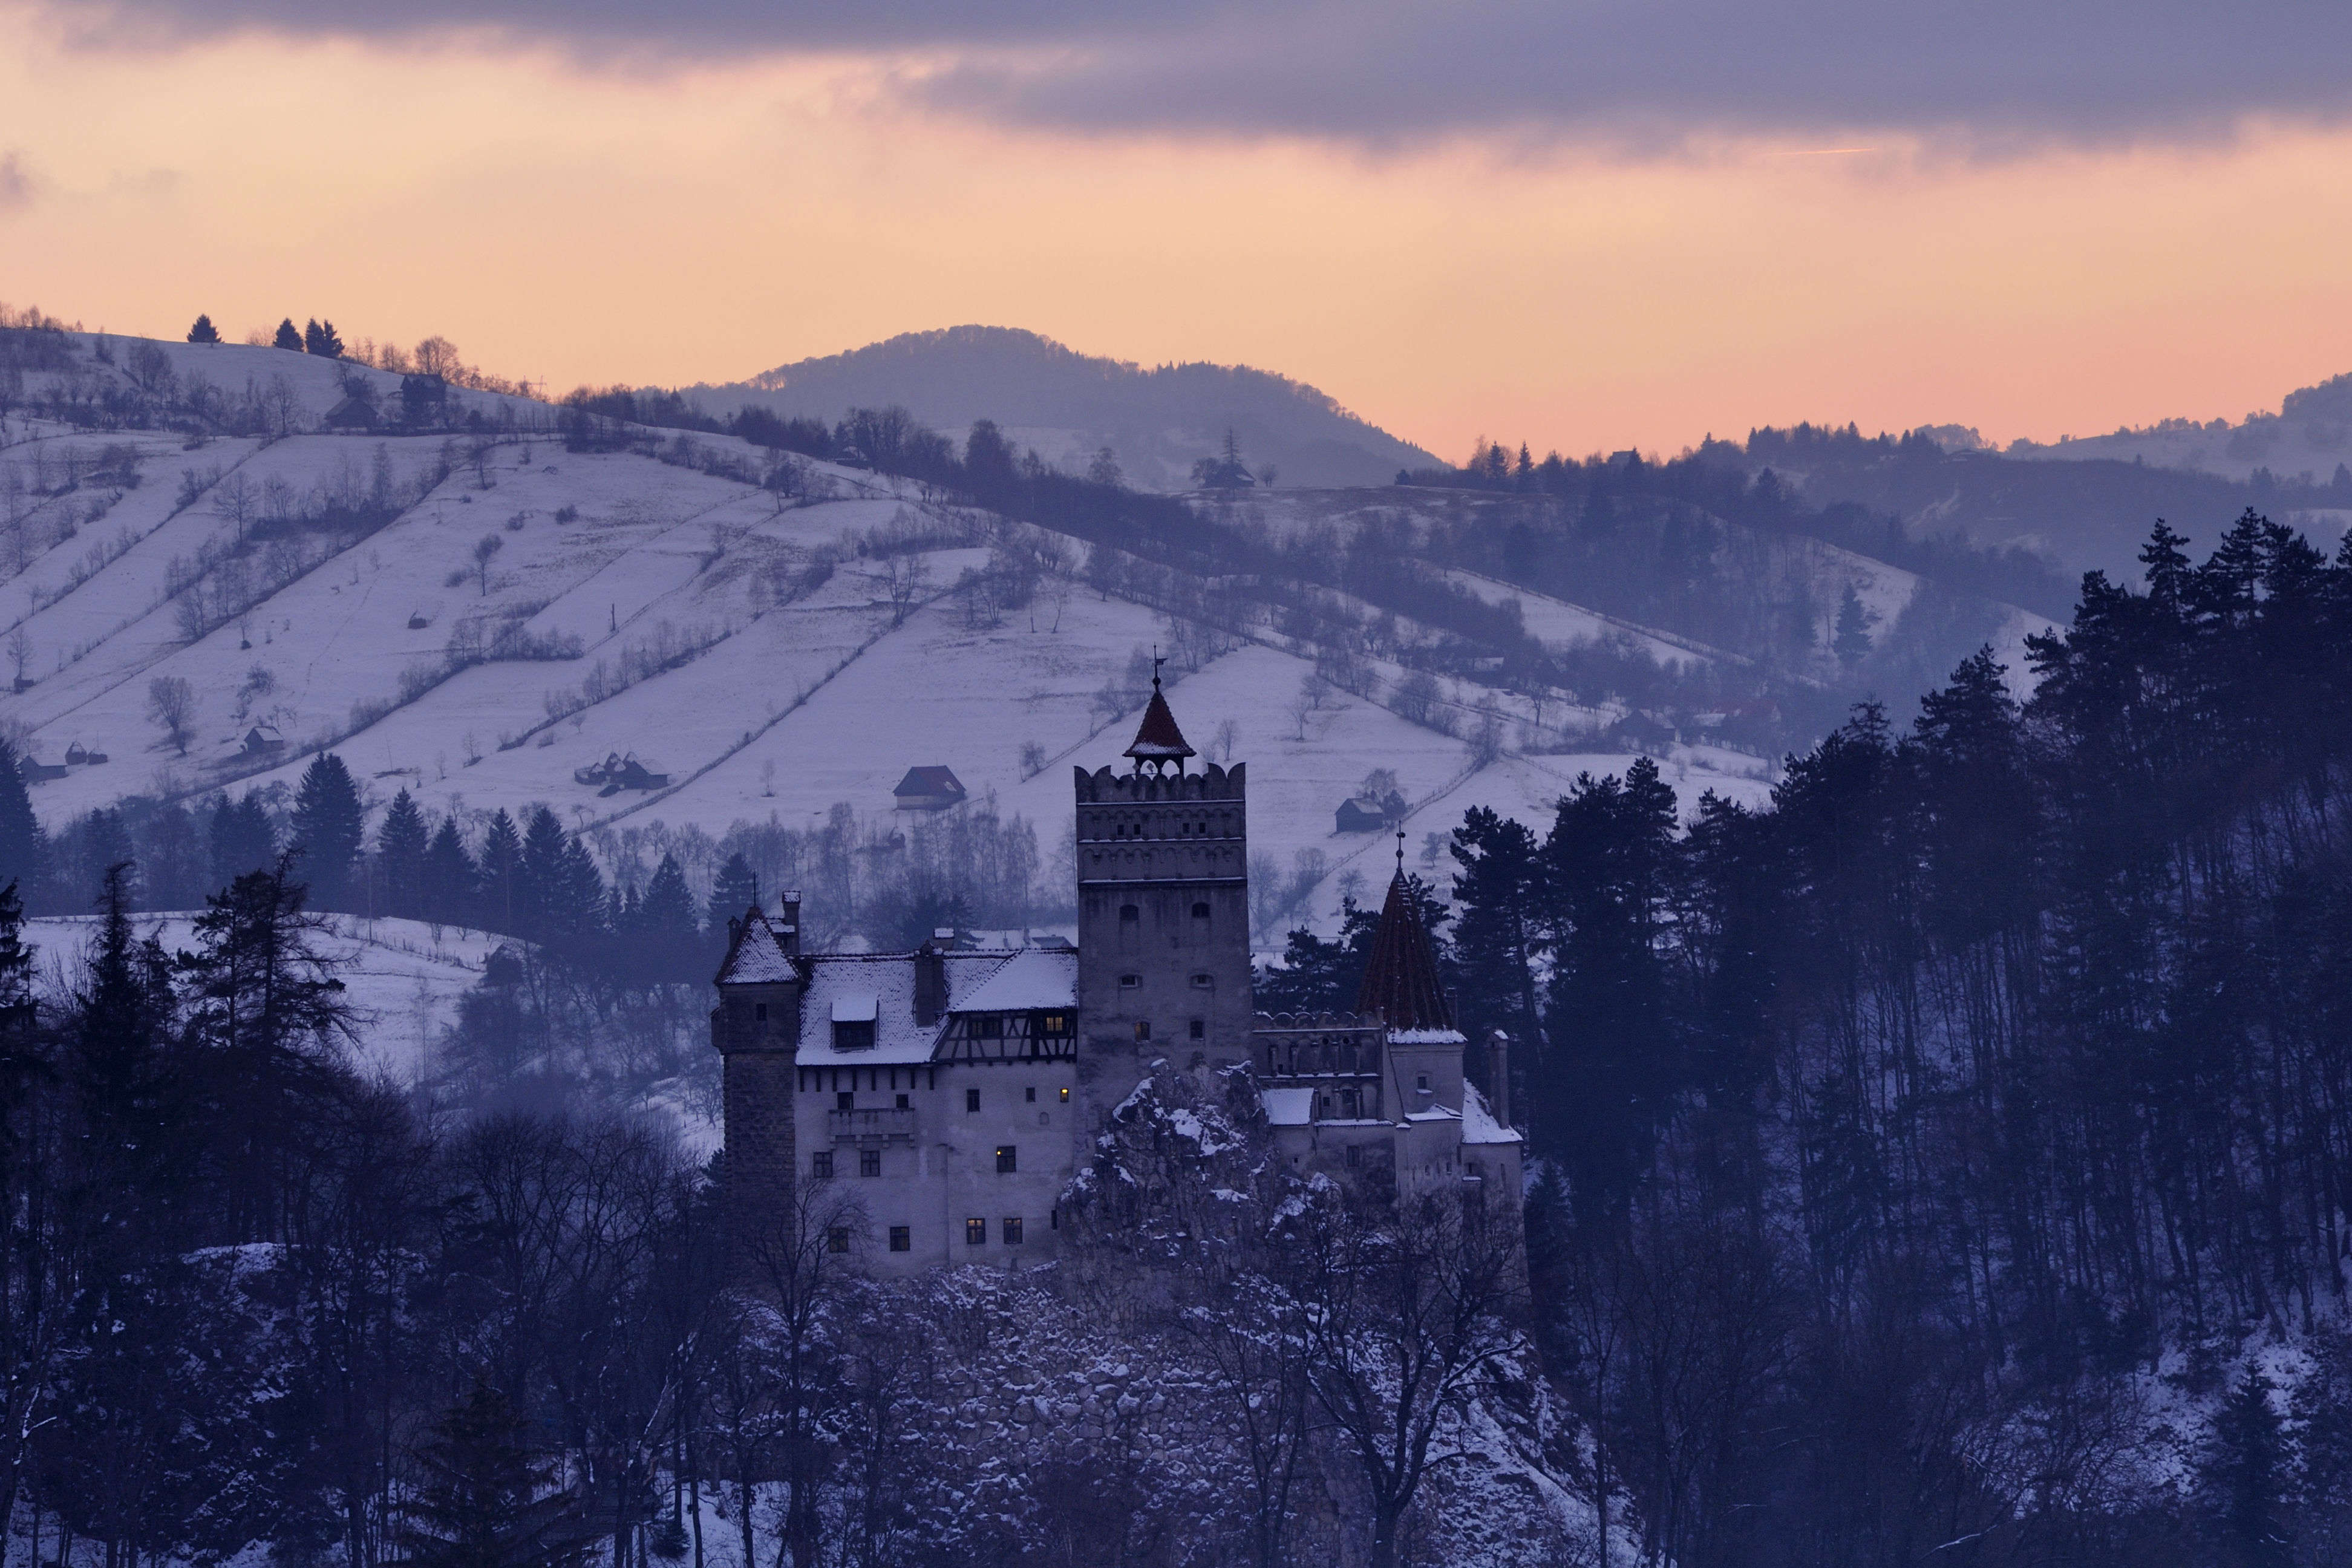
(484, 550)
(170, 706)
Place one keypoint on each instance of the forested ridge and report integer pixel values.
(1913, 1146)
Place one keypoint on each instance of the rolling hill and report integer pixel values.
(1069, 406)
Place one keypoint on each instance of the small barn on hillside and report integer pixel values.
(928, 789)
(352, 413)
(262, 741)
(1369, 812)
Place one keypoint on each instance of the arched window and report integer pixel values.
(1200, 911)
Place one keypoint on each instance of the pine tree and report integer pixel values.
(289, 336)
(667, 911)
(329, 827)
(239, 838)
(734, 891)
(23, 848)
(1851, 642)
(499, 896)
(203, 332)
(540, 886)
(1497, 936)
(576, 907)
(321, 337)
(446, 891)
(484, 1503)
(2247, 1473)
(98, 841)
(114, 1076)
(401, 844)
(268, 1019)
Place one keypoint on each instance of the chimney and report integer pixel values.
(788, 922)
(1498, 1075)
(931, 979)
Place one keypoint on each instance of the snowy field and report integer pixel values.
(793, 696)
(403, 977)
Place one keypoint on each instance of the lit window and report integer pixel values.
(821, 1164)
(971, 1100)
(975, 1233)
(869, 1162)
(902, 1239)
(1065, 1094)
(1007, 1158)
(1012, 1230)
(837, 1239)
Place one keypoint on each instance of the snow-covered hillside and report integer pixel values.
(504, 613)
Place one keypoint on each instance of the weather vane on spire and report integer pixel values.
(1156, 662)
(1400, 848)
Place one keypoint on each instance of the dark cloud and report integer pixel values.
(1390, 71)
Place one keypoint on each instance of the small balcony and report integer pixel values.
(876, 1126)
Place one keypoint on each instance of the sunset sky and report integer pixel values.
(1581, 225)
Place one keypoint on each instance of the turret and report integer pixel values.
(756, 1030)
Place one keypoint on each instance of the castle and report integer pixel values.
(954, 1093)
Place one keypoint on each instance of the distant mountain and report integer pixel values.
(1069, 406)
(2308, 439)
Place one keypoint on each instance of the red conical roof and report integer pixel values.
(1400, 982)
(1158, 739)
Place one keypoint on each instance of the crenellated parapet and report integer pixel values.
(1107, 786)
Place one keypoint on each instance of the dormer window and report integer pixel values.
(853, 1018)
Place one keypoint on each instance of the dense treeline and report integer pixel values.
(1910, 1142)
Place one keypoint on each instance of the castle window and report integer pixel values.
(902, 1239)
(989, 1028)
(902, 1103)
(970, 1100)
(1065, 1094)
(1050, 1023)
(759, 1011)
(1203, 982)
(844, 1099)
(1200, 911)
(869, 1162)
(853, 1034)
(1007, 1159)
(1421, 1083)
(1143, 1029)
(1129, 982)
(1199, 1028)
(837, 1239)
(1355, 1156)
(1128, 914)
(975, 1233)
(821, 1164)
(1012, 1230)
(1030, 1094)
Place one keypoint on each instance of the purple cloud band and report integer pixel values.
(1407, 70)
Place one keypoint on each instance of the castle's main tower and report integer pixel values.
(1163, 915)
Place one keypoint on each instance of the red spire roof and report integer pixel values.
(1400, 980)
(1159, 739)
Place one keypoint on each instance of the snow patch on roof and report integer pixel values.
(1034, 977)
(887, 980)
(1478, 1124)
(856, 1007)
(1425, 1037)
(758, 958)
